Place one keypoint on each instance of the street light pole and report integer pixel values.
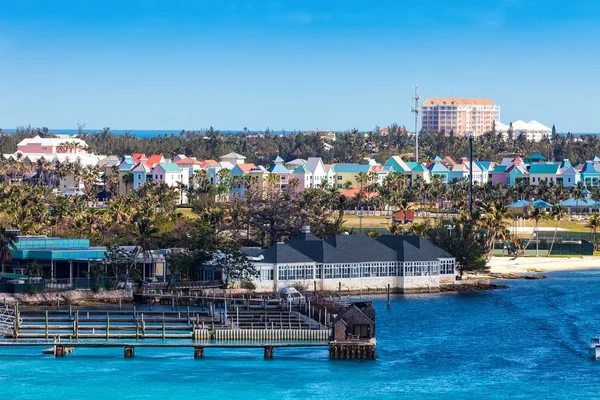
(471, 173)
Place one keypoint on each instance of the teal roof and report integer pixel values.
(410, 164)
(301, 170)
(536, 157)
(550, 168)
(484, 165)
(278, 169)
(589, 169)
(438, 168)
(278, 159)
(419, 168)
(566, 163)
(355, 168)
(170, 167)
(438, 158)
(499, 169)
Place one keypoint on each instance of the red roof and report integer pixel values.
(354, 193)
(136, 156)
(246, 167)
(517, 159)
(154, 159)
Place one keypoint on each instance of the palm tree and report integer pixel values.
(145, 239)
(536, 215)
(578, 195)
(8, 243)
(558, 213)
(594, 224)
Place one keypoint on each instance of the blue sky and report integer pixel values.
(327, 64)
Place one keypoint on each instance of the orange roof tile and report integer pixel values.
(449, 160)
(187, 160)
(208, 163)
(246, 167)
(154, 159)
(448, 101)
(354, 192)
(137, 156)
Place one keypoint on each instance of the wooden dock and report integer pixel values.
(194, 327)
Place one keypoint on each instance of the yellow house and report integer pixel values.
(349, 173)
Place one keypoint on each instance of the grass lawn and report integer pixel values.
(187, 212)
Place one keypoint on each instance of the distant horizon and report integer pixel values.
(156, 132)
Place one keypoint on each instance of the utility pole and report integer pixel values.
(416, 109)
(471, 173)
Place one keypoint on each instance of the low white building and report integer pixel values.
(531, 130)
(356, 262)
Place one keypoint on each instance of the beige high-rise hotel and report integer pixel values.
(458, 115)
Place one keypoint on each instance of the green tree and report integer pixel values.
(558, 213)
(8, 244)
(234, 265)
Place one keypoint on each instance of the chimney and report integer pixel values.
(305, 229)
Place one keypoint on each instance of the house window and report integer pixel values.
(339, 185)
(569, 179)
(139, 177)
(161, 177)
(339, 177)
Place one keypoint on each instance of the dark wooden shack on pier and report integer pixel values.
(354, 323)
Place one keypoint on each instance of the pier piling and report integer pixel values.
(268, 353)
(198, 352)
(129, 351)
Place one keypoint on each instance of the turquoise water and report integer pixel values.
(529, 341)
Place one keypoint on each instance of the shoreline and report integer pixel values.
(524, 265)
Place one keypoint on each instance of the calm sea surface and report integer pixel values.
(529, 341)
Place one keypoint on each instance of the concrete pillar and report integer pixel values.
(70, 272)
(268, 353)
(59, 350)
(198, 352)
(129, 352)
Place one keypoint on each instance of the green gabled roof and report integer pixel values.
(419, 168)
(170, 167)
(543, 169)
(499, 169)
(301, 170)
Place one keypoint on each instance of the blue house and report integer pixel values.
(141, 174)
(590, 174)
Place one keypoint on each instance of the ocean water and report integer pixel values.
(529, 341)
(148, 133)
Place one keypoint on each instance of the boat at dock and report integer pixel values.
(52, 350)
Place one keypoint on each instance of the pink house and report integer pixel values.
(304, 176)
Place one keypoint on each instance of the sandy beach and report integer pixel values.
(506, 265)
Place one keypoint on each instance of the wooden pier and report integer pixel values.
(198, 328)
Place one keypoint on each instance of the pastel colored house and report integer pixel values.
(570, 176)
(439, 169)
(125, 175)
(240, 170)
(280, 170)
(349, 173)
(590, 174)
(188, 164)
(141, 174)
(396, 164)
(548, 172)
(304, 177)
(172, 176)
(419, 171)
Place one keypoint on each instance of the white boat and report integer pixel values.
(595, 348)
(52, 350)
(290, 295)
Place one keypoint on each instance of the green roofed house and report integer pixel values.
(548, 172)
(173, 176)
(535, 158)
(419, 171)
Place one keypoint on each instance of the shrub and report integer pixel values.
(248, 285)
(299, 286)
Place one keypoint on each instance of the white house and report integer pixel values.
(172, 176)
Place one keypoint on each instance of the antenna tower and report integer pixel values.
(416, 109)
